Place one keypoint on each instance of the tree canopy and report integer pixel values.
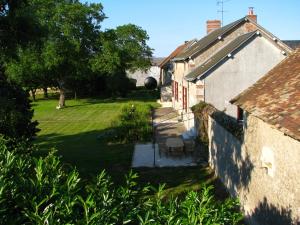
(71, 49)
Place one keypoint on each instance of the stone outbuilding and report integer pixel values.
(263, 168)
(139, 76)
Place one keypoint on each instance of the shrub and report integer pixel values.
(203, 110)
(41, 191)
(15, 111)
(133, 124)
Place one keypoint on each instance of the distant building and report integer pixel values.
(139, 76)
(167, 70)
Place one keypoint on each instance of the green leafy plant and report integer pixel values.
(42, 191)
(133, 124)
(203, 110)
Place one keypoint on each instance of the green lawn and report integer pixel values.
(74, 132)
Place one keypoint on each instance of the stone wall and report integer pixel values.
(140, 75)
(262, 170)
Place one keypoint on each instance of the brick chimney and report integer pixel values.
(251, 14)
(212, 25)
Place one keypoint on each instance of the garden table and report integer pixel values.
(174, 143)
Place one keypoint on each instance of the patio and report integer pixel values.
(167, 151)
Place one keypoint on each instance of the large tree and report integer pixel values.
(121, 49)
(71, 49)
(72, 28)
(124, 48)
(18, 26)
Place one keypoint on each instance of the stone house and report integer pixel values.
(262, 168)
(222, 64)
(166, 72)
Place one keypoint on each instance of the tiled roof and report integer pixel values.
(219, 56)
(209, 39)
(177, 51)
(275, 98)
(155, 61)
(292, 43)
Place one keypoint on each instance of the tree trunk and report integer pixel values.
(61, 102)
(45, 92)
(62, 92)
(33, 94)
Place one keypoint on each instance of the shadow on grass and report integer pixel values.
(135, 95)
(179, 180)
(89, 154)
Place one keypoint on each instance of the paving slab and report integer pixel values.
(167, 124)
(149, 155)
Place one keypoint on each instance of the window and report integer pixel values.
(176, 90)
(184, 98)
(240, 114)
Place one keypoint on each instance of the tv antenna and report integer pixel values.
(221, 10)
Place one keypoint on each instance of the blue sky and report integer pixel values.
(170, 22)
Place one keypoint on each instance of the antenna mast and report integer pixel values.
(221, 4)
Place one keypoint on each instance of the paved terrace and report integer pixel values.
(167, 124)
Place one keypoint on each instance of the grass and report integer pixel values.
(74, 132)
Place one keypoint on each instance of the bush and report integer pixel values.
(15, 112)
(42, 191)
(229, 123)
(203, 110)
(133, 124)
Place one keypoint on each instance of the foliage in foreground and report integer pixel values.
(133, 124)
(42, 191)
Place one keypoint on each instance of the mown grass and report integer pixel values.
(74, 131)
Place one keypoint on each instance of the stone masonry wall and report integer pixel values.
(262, 170)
